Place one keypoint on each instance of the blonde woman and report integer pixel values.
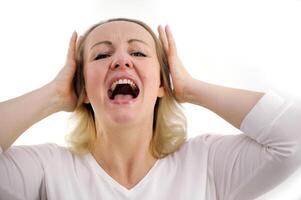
(129, 137)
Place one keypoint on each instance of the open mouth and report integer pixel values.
(123, 87)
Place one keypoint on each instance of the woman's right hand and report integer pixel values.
(65, 95)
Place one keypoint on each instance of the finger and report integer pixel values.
(162, 36)
(79, 40)
(171, 42)
(72, 47)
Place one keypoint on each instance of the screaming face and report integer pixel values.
(122, 73)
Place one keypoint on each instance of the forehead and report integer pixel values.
(119, 31)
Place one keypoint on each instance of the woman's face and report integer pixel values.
(122, 73)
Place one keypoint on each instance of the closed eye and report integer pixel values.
(101, 56)
(139, 54)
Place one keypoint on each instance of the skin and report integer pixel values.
(123, 138)
(122, 150)
(122, 146)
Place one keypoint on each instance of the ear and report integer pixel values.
(161, 91)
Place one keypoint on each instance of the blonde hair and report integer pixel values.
(169, 123)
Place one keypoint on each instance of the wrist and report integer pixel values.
(189, 90)
(52, 94)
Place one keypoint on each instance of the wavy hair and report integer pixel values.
(169, 122)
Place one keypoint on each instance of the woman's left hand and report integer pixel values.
(181, 79)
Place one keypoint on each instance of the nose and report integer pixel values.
(121, 62)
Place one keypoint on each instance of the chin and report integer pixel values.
(123, 118)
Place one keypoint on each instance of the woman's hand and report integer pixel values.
(181, 79)
(62, 83)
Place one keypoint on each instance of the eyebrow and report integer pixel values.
(109, 43)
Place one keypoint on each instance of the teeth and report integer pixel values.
(123, 81)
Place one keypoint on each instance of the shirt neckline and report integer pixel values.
(115, 183)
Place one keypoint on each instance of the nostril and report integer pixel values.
(121, 65)
(117, 65)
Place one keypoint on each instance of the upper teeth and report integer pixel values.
(123, 81)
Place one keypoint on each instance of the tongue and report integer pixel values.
(123, 97)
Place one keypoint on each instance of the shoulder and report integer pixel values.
(47, 148)
(42, 152)
(202, 141)
(196, 147)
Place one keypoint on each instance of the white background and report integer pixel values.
(253, 45)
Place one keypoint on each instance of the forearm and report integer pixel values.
(229, 103)
(18, 114)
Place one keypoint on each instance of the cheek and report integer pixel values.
(150, 71)
(151, 78)
(94, 78)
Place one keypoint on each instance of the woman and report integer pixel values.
(129, 141)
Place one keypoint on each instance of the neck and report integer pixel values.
(124, 153)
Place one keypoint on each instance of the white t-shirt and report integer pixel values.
(207, 167)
